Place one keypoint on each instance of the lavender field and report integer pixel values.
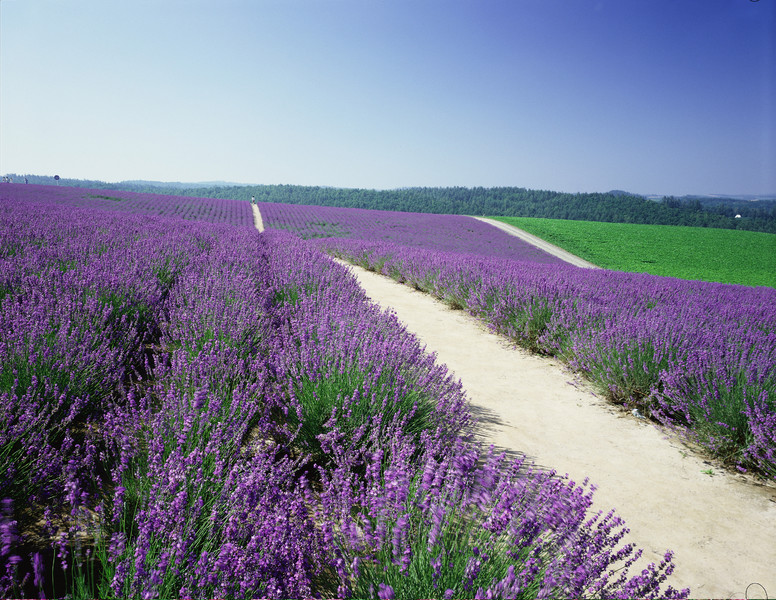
(192, 409)
(449, 233)
(698, 357)
(232, 212)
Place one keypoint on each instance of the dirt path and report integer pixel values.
(539, 243)
(257, 220)
(722, 527)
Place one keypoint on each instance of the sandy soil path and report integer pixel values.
(722, 527)
(257, 220)
(540, 243)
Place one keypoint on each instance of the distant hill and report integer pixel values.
(616, 206)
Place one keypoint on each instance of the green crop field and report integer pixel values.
(724, 255)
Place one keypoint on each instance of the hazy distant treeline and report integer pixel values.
(612, 207)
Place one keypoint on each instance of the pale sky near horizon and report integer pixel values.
(650, 96)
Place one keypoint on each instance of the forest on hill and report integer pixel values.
(611, 207)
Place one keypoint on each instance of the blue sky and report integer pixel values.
(650, 96)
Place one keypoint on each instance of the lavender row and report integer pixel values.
(211, 210)
(698, 356)
(450, 233)
(213, 413)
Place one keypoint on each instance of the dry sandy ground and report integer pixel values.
(722, 527)
(540, 243)
(257, 220)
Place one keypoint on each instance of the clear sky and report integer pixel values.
(650, 96)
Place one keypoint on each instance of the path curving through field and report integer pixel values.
(540, 243)
(721, 526)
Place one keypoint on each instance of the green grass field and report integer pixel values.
(723, 255)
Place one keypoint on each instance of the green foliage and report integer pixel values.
(533, 323)
(134, 314)
(286, 295)
(166, 274)
(347, 400)
(724, 418)
(202, 487)
(441, 570)
(725, 256)
(719, 411)
(114, 198)
(37, 372)
(629, 374)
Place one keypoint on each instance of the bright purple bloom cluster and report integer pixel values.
(197, 410)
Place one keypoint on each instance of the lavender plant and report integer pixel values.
(460, 524)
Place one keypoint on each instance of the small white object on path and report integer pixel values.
(540, 243)
(722, 528)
